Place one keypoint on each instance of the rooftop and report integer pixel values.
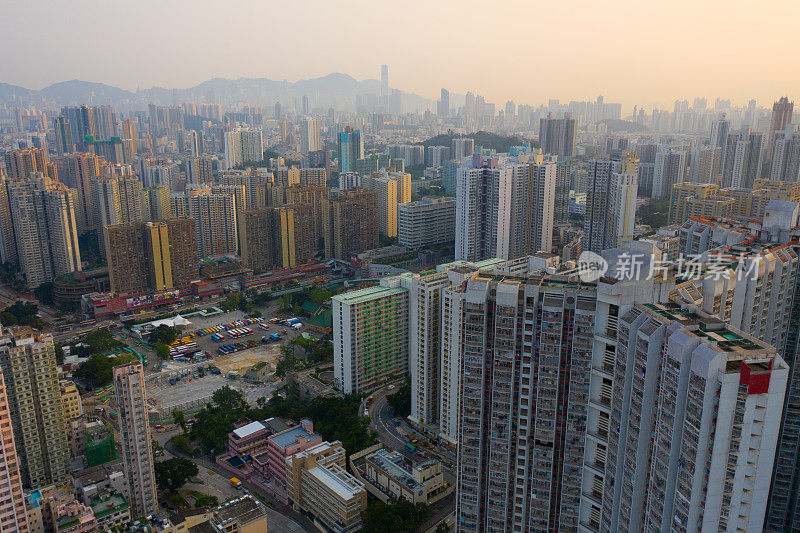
(248, 429)
(243, 511)
(292, 436)
(368, 294)
(337, 480)
(388, 462)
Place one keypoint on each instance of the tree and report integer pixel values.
(173, 474)
(397, 515)
(164, 334)
(97, 371)
(400, 401)
(180, 419)
(232, 301)
(44, 293)
(655, 213)
(442, 527)
(162, 351)
(218, 418)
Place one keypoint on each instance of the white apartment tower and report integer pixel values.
(490, 200)
(135, 438)
(45, 229)
(610, 204)
(694, 428)
(243, 146)
(309, 135)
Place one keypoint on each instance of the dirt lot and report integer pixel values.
(242, 361)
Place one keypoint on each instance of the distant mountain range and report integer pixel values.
(334, 90)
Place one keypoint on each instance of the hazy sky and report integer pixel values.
(642, 52)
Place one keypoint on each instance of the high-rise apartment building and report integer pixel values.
(281, 237)
(81, 122)
(742, 159)
(786, 157)
(154, 256)
(462, 147)
(64, 141)
(215, 221)
(610, 204)
(45, 229)
(781, 117)
(443, 104)
(669, 170)
(490, 197)
(682, 192)
(426, 222)
(540, 200)
(107, 208)
(135, 437)
(351, 149)
(28, 363)
(309, 135)
(524, 392)
(694, 424)
(393, 188)
(242, 147)
(13, 516)
(20, 164)
(350, 221)
(557, 135)
(370, 339)
(199, 170)
(82, 167)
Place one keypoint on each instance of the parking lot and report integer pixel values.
(192, 391)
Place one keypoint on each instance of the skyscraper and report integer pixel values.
(64, 142)
(523, 404)
(243, 147)
(281, 237)
(539, 207)
(309, 135)
(384, 89)
(610, 204)
(370, 342)
(135, 438)
(350, 220)
(351, 149)
(443, 105)
(557, 135)
(490, 197)
(28, 363)
(694, 424)
(13, 517)
(82, 168)
(45, 229)
(215, 218)
(670, 169)
(781, 117)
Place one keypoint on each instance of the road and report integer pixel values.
(395, 437)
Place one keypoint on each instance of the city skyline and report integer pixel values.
(635, 62)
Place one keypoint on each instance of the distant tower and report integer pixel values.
(384, 88)
(306, 105)
(443, 107)
(781, 117)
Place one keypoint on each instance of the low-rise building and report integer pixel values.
(75, 517)
(110, 509)
(420, 483)
(271, 463)
(251, 438)
(317, 482)
(242, 515)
